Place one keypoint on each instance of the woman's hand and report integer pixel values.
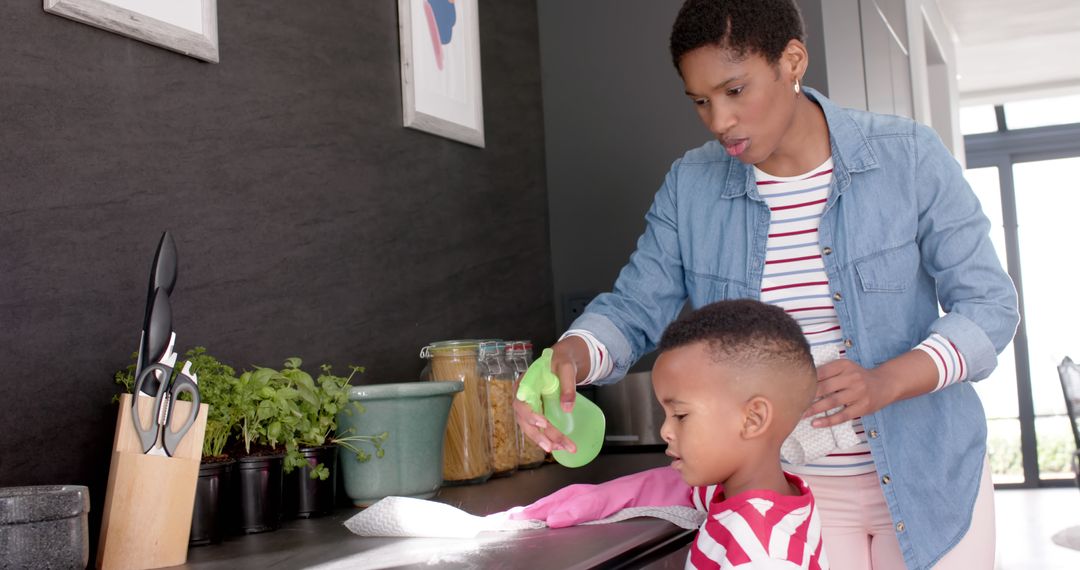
(536, 427)
(844, 383)
(863, 391)
(570, 362)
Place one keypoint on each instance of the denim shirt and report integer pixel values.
(902, 233)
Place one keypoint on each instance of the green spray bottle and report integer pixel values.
(584, 424)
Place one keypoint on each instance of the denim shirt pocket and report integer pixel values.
(702, 289)
(889, 271)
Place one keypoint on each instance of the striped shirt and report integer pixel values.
(757, 529)
(951, 366)
(794, 278)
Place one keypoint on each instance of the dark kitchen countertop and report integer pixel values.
(326, 543)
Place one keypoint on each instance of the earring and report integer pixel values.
(796, 86)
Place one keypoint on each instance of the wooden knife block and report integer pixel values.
(148, 503)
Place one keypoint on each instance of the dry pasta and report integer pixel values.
(529, 454)
(466, 445)
(504, 445)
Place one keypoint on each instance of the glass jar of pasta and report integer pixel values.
(519, 354)
(467, 442)
(499, 377)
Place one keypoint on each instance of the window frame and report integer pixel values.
(1003, 149)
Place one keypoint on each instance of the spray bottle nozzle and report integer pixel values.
(538, 381)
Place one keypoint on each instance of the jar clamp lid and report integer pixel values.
(450, 348)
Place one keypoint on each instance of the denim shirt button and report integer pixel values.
(838, 296)
(826, 250)
(873, 434)
(885, 480)
(900, 526)
(848, 343)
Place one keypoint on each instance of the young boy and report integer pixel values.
(734, 378)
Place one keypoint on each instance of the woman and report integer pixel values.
(859, 225)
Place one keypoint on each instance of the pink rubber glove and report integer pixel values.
(576, 504)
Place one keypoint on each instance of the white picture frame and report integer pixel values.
(185, 26)
(440, 82)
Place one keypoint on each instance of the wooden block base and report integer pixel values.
(148, 502)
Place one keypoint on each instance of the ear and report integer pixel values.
(794, 60)
(757, 417)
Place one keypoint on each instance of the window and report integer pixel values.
(1042, 112)
(1047, 205)
(1025, 175)
(978, 119)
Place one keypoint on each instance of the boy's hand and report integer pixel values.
(582, 503)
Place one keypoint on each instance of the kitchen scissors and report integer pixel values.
(158, 438)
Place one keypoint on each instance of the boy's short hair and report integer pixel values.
(742, 26)
(742, 332)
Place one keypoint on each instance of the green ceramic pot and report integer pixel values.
(413, 414)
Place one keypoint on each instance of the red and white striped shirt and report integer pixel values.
(758, 529)
(794, 278)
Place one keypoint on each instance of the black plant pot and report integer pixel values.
(212, 493)
(259, 483)
(306, 497)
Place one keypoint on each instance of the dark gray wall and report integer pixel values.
(308, 221)
(615, 118)
(816, 75)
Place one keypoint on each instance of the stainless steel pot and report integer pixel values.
(633, 415)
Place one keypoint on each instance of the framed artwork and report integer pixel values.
(186, 26)
(440, 68)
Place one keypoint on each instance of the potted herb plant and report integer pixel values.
(214, 492)
(311, 456)
(267, 420)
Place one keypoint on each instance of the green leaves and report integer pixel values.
(216, 389)
(349, 440)
(318, 401)
(126, 377)
(271, 412)
(306, 409)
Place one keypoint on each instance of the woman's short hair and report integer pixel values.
(743, 27)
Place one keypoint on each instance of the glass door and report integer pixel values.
(1048, 212)
(1023, 160)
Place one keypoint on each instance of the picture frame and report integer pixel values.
(185, 26)
(440, 68)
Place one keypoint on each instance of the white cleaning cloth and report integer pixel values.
(408, 517)
(807, 443)
(405, 517)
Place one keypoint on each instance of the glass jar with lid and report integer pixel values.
(499, 377)
(467, 442)
(519, 354)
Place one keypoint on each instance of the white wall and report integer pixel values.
(891, 56)
(933, 72)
